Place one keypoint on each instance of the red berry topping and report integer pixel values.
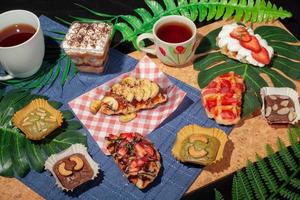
(262, 56)
(252, 45)
(240, 33)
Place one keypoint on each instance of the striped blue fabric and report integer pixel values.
(174, 178)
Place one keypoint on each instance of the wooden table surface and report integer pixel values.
(247, 138)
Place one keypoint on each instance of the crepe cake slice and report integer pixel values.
(136, 156)
(131, 95)
(222, 98)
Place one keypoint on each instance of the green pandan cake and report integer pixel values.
(199, 145)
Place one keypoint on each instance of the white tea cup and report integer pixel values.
(24, 59)
(171, 53)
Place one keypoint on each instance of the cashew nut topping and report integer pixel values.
(197, 154)
(62, 170)
(78, 161)
(201, 138)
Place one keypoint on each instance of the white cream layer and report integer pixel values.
(93, 41)
(234, 44)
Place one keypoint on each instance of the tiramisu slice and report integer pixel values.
(87, 44)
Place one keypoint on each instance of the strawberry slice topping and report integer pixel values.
(134, 167)
(140, 150)
(128, 136)
(211, 103)
(225, 86)
(229, 101)
(240, 33)
(149, 150)
(252, 45)
(122, 151)
(262, 56)
(141, 162)
(228, 114)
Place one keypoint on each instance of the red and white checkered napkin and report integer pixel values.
(101, 125)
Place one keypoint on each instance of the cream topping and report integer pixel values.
(87, 37)
(234, 44)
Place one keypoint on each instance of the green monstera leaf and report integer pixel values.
(130, 26)
(18, 154)
(281, 71)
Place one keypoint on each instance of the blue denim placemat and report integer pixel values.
(174, 178)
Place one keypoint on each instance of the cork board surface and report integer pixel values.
(247, 138)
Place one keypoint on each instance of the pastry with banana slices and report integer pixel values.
(129, 96)
(241, 43)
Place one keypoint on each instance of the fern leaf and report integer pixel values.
(155, 7)
(184, 11)
(266, 174)
(135, 22)
(193, 10)
(144, 14)
(240, 12)
(235, 189)
(286, 156)
(218, 195)
(170, 5)
(295, 182)
(220, 9)
(276, 164)
(202, 10)
(125, 30)
(244, 186)
(230, 10)
(288, 194)
(294, 143)
(255, 181)
(212, 9)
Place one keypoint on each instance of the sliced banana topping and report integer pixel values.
(95, 106)
(117, 88)
(145, 82)
(154, 90)
(128, 94)
(131, 81)
(139, 94)
(127, 118)
(147, 92)
(112, 103)
(130, 88)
